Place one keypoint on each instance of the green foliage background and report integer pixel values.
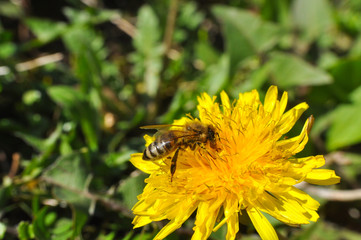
(78, 78)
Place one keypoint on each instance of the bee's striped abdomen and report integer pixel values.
(161, 147)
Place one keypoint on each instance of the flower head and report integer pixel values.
(252, 170)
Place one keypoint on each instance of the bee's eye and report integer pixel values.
(211, 132)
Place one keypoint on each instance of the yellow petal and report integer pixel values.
(299, 167)
(249, 99)
(144, 166)
(180, 122)
(289, 119)
(304, 203)
(140, 221)
(148, 139)
(311, 161)
(207, 213)
(286, 210)
(322, 177)
(230, 206)
(270, 99)
(232, 226)
(207, 108)
(225, 100)
(283, 102)
(262, 225)
(296, 144)
(303, 198)
(177, 222)
(231, 212)
(205, 100)
(226, 103)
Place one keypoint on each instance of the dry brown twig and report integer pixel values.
(128, 28)
(124, 25)
(331, 194)
(337, 157)
(14, 165)
(334, 195)
(172, 15)
(34, 63)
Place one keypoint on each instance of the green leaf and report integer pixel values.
(25, 231)
(118, 159)
(277, 11)
(31, 96)
(355, 96)
(7, 49)
(256, 79)
(148, 58)
(144, 236)
(148, 33)
(322, 123)
(80, 218)
(311, 230)
(245, 34)
(42, 145)
(216, 76)
(66, 96)
(345, 130)
(313, 17)
(78, 109)
(69, 177)
(131, 188)
(62, 229)
(41, 230)
(347, 75)
(205, 53)
(353, 168)
(89, 16)
(182, 101)
(5, 194)
(189, 16)
(127, 237)
(2, 230)
(220, 234)
(355, 51)
(11, 9)
(87, 48)
(289, 70)
(50, 218)
(112, 236)
(45, 30)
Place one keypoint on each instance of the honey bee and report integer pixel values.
(189, 135)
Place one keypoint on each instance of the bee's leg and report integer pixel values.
(201, 146)
(173, 164)
(205, 149)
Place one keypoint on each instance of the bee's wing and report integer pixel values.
(160, 127)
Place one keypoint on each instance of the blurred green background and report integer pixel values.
(78, 78)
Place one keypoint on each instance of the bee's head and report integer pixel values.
(212, 136)
(211, 133)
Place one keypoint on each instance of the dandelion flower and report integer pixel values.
(252, 171)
